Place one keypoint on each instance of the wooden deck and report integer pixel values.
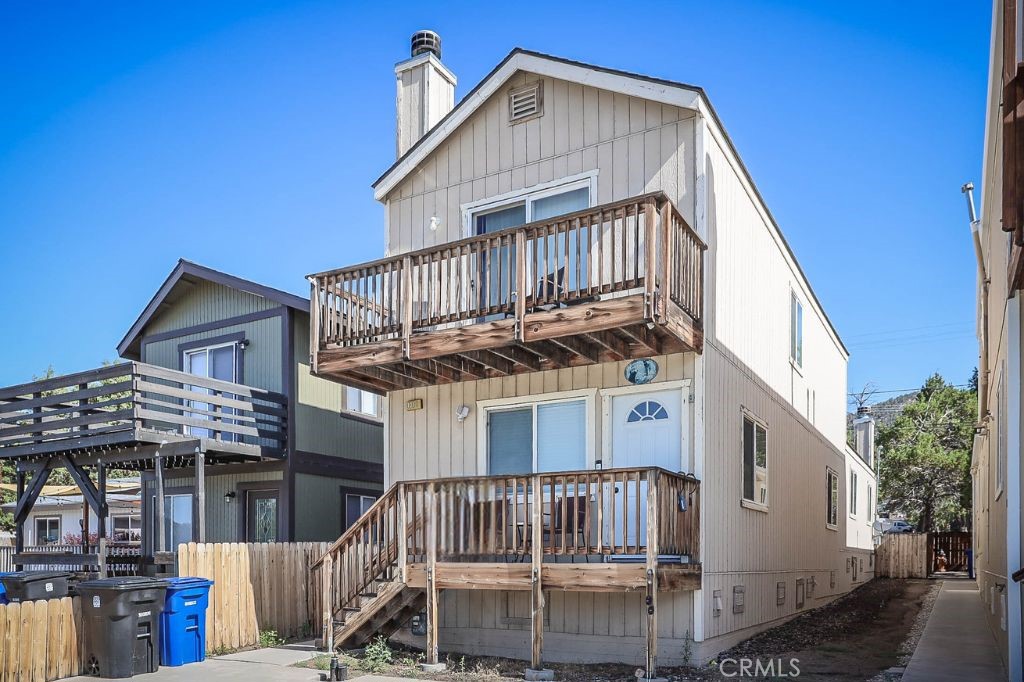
(617, 281)
(125, 407)
(615, 530)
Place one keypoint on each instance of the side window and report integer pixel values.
(1001, 413)
(853, 492)
(831, 498)
(755, 461)
(362, 402)
(796, 330)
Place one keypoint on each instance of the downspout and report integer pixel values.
(983, 279)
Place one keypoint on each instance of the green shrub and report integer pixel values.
(377, 655)
(269, 638)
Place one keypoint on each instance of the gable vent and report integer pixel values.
(525, 103)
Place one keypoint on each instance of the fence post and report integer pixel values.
(327, 601)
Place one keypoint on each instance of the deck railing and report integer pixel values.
(642, 243)
(84, 408)
(602, 513)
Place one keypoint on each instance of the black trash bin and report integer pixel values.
(122, 625)
(35, 585)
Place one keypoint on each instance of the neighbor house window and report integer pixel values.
(362, 402)
(796, 331)
(47, 530)
(871, 509)
(545, 436)
(356, 506)
(177, 520)
(832, 495)
(126, 528)
(853, 493)
(755, 461)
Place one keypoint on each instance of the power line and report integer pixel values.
(904, 390)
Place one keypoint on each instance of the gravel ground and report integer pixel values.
(850, 640)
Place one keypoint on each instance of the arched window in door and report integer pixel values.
(647, 411)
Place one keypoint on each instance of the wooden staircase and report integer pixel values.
(363, 590)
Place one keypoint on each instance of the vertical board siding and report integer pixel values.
(432, 442)
(757, 549)
(637, 146)
(222, 519)
(319, 505)
(207, 302)
(256, 588)
(261, 362)
(750, 280)
(320, 423)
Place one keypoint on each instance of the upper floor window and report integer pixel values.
(796, 330)
(525, 206)
(853, 493)
(362, 402)
(755, 461)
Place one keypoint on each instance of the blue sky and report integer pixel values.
(245, 135)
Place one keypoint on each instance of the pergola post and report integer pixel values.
(101, 519)
(161, 540)
(199, 499)
(19, 527)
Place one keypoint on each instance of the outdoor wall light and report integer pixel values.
(435, 223)
(229, 496)
(243, 344)
(461, 412)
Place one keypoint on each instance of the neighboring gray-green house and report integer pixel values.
(206, 322)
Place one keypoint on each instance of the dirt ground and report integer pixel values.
(855, 638)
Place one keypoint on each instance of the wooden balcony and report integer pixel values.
(614, 530)
(622, 280)
(123, 406)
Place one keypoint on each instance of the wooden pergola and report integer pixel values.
(130, 416)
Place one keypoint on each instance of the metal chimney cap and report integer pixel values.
(426, 41)
(863, 410)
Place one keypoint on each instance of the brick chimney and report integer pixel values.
(426, 90)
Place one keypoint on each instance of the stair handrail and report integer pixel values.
(359, 526)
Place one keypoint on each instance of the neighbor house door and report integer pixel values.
(261, 516)
(646, 429)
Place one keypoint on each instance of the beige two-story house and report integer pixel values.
(615, 408)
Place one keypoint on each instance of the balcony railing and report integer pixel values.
(131, 402)
(641, 246)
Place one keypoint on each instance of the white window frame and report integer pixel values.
(357, 410)
(744, 502)
(169, 516)
(48, 518)
(1002, 439)
(137, 516)
(832, 480)
(853, 493)
(206, 349)
(870, 510)
(796, 332)
(606, 456)
(362, 497)
(527, 196)
(485, 407)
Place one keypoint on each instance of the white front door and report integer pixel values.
(646, 431)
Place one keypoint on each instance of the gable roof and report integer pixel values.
(190, 272)
(615, 80)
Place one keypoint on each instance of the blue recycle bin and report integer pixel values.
(3, 590)
(183, 622)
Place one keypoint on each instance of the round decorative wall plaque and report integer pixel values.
(641, 371)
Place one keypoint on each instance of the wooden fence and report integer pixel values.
(902, 555)
(42, 640)
(954, 545)
(257, 587)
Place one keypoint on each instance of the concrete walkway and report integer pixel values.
(957, 643)
(259, 665)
